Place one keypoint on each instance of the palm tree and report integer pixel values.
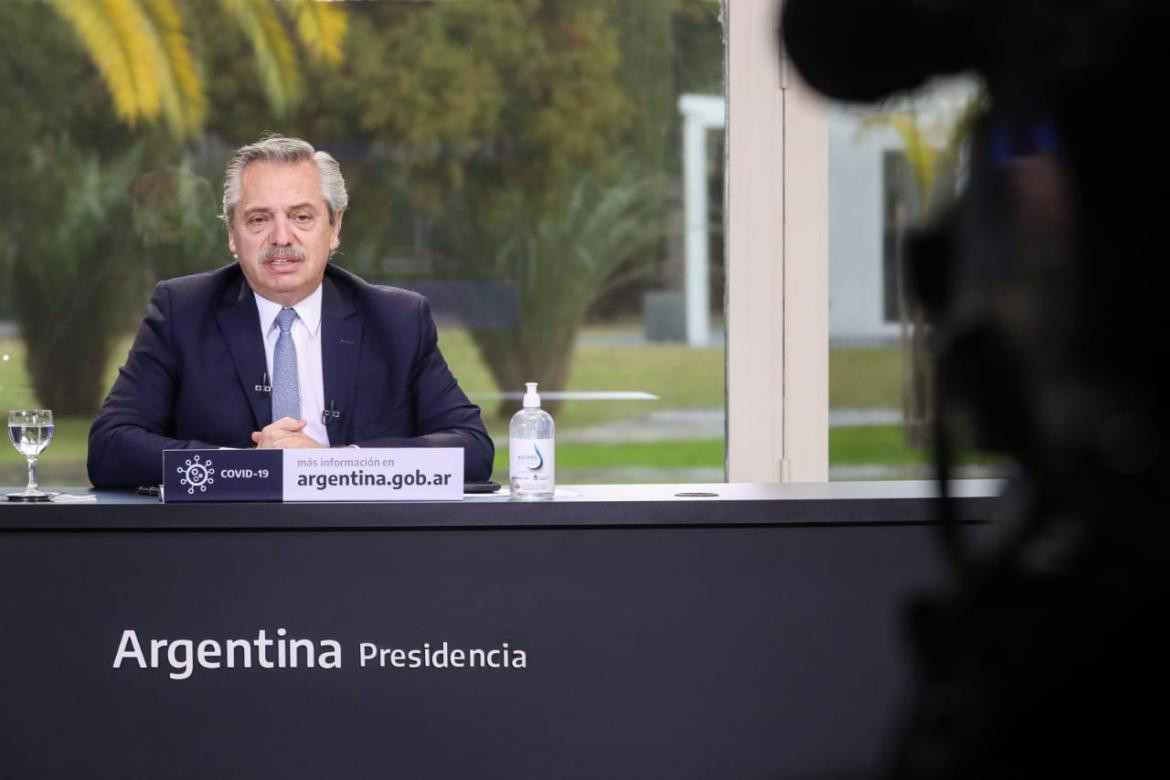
(556, 257)
(143, 51)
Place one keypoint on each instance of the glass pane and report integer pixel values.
(519, 162)
(891, 167)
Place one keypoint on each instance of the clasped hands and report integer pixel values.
(285, 433)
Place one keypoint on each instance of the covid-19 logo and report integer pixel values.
(196, 474)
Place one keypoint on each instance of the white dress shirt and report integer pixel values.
(306, 335)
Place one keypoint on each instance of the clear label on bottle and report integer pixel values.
(532, 465)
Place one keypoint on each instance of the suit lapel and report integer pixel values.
(341, 341)
(239, 323)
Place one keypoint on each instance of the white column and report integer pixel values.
(698, 304)
(700, 113)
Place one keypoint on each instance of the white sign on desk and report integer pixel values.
(410, 474)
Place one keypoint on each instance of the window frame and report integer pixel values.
(777, 298)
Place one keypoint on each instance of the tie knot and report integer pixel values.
(284, 319)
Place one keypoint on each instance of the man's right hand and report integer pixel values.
(285, 433)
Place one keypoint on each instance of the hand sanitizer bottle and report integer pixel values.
(531, 456)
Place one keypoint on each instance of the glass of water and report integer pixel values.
(30, 430)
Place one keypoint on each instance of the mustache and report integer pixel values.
(281, 253)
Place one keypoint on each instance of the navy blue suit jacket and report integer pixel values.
(190, 380)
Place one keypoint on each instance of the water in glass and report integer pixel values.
(30, 431)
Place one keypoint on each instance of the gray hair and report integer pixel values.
(278, 148)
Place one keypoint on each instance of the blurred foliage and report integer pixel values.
(503, 95)
(144, 52)
(65, 251)
(558, 261)
(143, 56)
(175, 219)
(932, 139)
(80, 245)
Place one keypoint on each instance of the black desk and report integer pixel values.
(753, 634)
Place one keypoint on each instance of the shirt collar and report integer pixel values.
(308, 310)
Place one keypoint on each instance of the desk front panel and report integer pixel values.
(648, 651)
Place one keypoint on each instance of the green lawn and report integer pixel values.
(854, 446)
(682, 378)
(648, 455)
(865, 378)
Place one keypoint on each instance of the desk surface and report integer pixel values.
(741, 504)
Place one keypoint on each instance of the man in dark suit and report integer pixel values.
(281, 349)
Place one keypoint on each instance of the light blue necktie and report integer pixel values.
(286, 390)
